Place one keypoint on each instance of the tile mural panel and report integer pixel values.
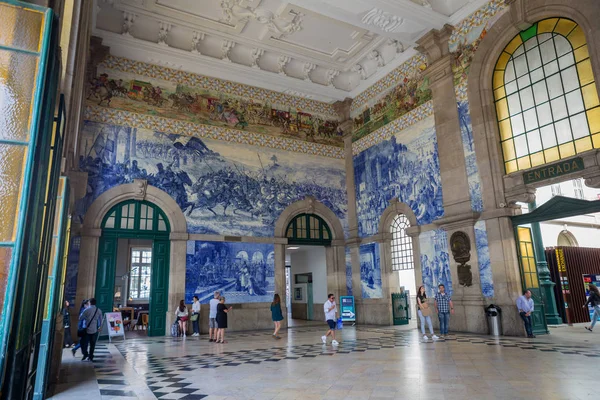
(159, 97)
(370, 271)
(407, 167)
(463, 44)
(222, 188)
(242, 272)
(435, 261)
(483, 255)
(72, 270)
(412, 92)
(348, 272)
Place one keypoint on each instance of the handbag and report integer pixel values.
(340, 324)
(425, 310)
(82, 325)
(194, 317)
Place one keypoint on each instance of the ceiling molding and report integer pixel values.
(140, 50)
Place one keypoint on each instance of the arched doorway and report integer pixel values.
(307, 235)
(147, 268)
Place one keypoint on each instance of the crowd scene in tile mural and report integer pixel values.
(411, 93)
(206, 107)
(233, 190)
(406, 166)
(242, 272)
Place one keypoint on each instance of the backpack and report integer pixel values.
(175, 329)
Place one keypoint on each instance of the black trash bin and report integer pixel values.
(493, 314)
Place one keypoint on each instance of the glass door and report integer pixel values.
(529, 277)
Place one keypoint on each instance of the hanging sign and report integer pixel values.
(348, 311)
(114, 325)
(553, 170)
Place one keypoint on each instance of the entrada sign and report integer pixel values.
(553, 170)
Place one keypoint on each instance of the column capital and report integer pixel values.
(434, 44)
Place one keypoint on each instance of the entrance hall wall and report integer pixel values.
(231, 173)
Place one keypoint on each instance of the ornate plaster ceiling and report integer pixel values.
(321, 49)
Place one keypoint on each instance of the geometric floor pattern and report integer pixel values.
(370, 363)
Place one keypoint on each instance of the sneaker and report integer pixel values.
(334, 342)
(435, 337)
(84, 358)
(324, 339)
(73, 351)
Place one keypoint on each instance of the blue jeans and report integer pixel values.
(527, 321)
(595, 316)
(196, 324)
(423, 319)
(444, 321)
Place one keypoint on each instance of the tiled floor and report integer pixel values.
(370, 363)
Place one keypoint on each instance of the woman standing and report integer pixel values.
(594, 300)
(196, 316)
(276, 314)
(68, 342)
(424, 313)
(222, 311)
(182, 316)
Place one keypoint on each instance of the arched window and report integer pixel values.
(133, 215)
(546, 98)
(308, 229)
(566, 238)
(402, 249)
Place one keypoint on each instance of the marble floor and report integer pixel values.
(370, 363)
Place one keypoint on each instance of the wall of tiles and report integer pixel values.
(242, 272)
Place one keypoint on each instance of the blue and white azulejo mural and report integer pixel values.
(435, 261)
(473, 177)
(370, 271)
(242, 272)
(405, 166)
(348, 272)
(483, 256)
(222, 187)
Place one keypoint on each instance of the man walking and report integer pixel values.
(330, 309)
(212, 317)
(525, 307)
(444, 306)
(92, 321)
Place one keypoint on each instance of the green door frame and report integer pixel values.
(556, 208)
(132, 219)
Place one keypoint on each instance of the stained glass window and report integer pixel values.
(546, 99)
(402, 249)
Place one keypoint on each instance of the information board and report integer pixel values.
(114, 325)
(348, 311)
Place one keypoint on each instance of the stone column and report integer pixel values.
(458, 213)
(546, 284)
(280, 278)
(434, 45)
(88, 263)
(177, 266)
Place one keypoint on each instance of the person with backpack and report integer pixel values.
(276, 315)
(90, 327)
(84, 305)
(594, 301)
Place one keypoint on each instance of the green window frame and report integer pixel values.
(136, 217)
(308, 229)
(545, 96)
